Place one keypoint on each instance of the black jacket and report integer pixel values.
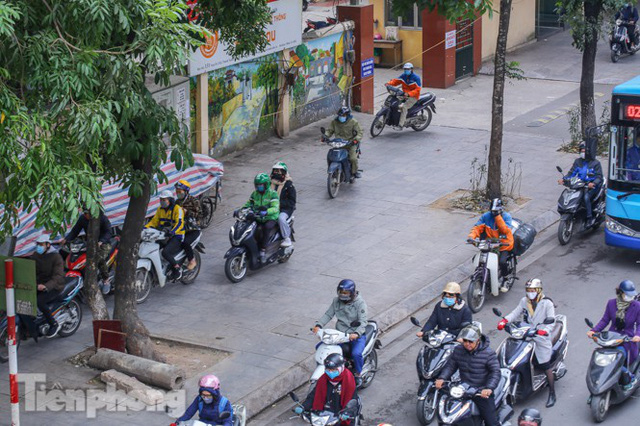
(628, 14)
(82, 225)
(449, 319)
(479, 368)
(49, 270)
(593, 167)
(287, 197)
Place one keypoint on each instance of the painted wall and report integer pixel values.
(522, 28)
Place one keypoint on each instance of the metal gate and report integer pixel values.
(464, 48)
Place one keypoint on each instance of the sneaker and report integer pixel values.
(105, 287)
(53, 330)
(397, 127)
(176, 274)
(286, 242)
(263, 256)
(630, 385)
(504, 287)
(358, 174)
(192, 264)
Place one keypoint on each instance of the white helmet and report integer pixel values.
(533, 284)
(408, 66)
(166, 194)
(43, 238)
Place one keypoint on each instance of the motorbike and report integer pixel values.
(486, 275)
(153, 270)
(605, 371)
(244, 253)
(573, 211)
(76, 259)
(418, 117)
(329, 418)
(334, 341)
(316, 25)
(65, 309)
(457, 406)
(338, 164)
(517, 351)
(305, 5)
(620, 40)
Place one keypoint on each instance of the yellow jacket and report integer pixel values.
(171, 218)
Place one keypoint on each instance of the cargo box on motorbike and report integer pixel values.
(523, 235)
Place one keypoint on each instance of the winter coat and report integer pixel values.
(345, 314)
(544, 309)
(288, 197)
(49, 270)
(449, 319)
(209, 413)
(334, 398)
(480, 368)
(171, 218)
(82, 224)
(587, 170)
(268, 200)
(494, 227)
(628, 13)
(411, 84)
(191, 207)
(349, 130)
(631, 325)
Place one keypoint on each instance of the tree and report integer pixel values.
(75, 111)
(450, 9)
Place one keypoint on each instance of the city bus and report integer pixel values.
(623, 187)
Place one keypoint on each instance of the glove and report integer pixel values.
(356, 142)
(298, 410)
(344, 416)
(502, 323)
(173, 424)
(470, 240)
(542, 333)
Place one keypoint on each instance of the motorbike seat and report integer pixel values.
(369, 331)
(69, 285)
(556, 332)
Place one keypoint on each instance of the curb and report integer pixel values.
(264, 396)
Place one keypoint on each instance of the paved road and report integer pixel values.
(579, 278)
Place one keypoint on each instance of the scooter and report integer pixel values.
(153, 270)
(573, 211)
(418, 117)
(620, 42)
(337, 342)
(65, 309)
(76, 260)
(329, 418)
(244, 253)
(457, 406)
(605, 371)
(487, 272)
(239, 418)
(517, 351)
(338, 164)
(316, 25)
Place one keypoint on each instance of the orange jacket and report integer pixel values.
(485, 226)
(412, 89)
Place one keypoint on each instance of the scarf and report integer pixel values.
(532, 304)
(621, 312)
(348, 388)
(277, 186)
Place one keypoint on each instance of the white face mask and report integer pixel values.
(627, 298)
(582, 155)
(532, 295)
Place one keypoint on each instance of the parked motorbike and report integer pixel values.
(620, 40)
(65, 309)
(605, 373)
(153, 270)
(316, 25)
(337, 342)
(76, 259)
(338, 164)
(244, 253)
(329, 418)
(573, 211)
(418, 117)
(457, 406)
(517, 354)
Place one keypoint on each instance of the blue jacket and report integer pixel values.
(489, 220)
(411, 78)
(584, 168)
(628, 13)
(209, 412)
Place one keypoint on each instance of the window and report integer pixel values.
(411, 18)
(626, 157)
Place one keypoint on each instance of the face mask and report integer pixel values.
(164, 203)
(582, 155)
(260, 188)
(40, 249)
(181, 195)
(532, 295)
(207, 400)
(627, 298)
(342, 119)
(333, 374)
(449, 301)
(407, 72)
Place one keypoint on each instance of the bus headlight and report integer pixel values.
(618, 228)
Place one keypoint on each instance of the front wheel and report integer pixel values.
(615, 54)
(565, 231)
(476, 295)
(235, 268)
(425, 409)
(333, 183)
(378, 125)
(599, 407)
(74, 310)
(425, 120)
(371, 364)
(142, 284)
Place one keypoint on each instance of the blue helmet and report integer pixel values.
(628, 287)
(344, 286)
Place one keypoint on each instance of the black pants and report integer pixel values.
(170, 250)
(589, 194)
(487, 408)
(502, 263)
(45, 297)
(189, 238)
(631, 31)
(265, 231)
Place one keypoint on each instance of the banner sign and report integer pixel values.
(366, 69)
(24, 283)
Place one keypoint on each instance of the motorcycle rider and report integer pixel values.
(589, 170)
(533, 309)
(450, 314)
(348, 307)
(265, 203)
(281, 183)
(104, 244)
(50, 280)
(496, 223)
(345, 126)
(411, 86)
(530, 417)
(335, 388)
(479, 367)
(192, 214)
(629, 13)
(623, 313)
(209, 403)
(170, 218)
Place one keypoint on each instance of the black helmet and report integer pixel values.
(333, 361)
(531, 416)
(496, 206)
(344, 286)
(344, 112)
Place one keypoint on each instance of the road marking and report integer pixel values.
(557, 113)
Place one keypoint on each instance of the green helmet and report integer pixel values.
(261, 178)
(280, 165)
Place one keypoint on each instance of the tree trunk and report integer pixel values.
(494, 175)
(91, 290)
(592, 10)
(138, 341)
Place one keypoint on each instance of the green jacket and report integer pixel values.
(345, 130)
(269, 199)
(345, 314)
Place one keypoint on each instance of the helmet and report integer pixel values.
(166, 194)
(628, 287)
(531, 416)
(582, 146)
(261, 181)
(533, 283)
(496, 206)
(209, 381)
(469, 333)
(452, 287)
(183, 185)
(279, 171)
(408, 66)
(333, 361)
(346, 285)
(280, 166)
(43, 238)
(344, 112)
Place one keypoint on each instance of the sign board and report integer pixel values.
(24, 284)
(284, 32)
(450, 39)
(366, 69)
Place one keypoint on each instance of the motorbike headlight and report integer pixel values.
(604, 359)
(456, 392)
(518, 333)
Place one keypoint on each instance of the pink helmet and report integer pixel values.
(210, 381)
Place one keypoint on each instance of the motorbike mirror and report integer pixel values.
(588, 322)
(293, 396)
(549, 320)
(415, 321)
(322, 130)
(559, 169)
(224, 415)
(355, 323)
(497, 312)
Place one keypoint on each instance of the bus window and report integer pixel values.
(628, 156)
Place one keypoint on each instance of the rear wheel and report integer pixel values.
(378, 125)
(565, 231)
(511, 279)
(189, 276)
(208, 206)
(235, 268)
(333, 183)
(615, 53)
(600, 407)
(425, 411)
(142, 284)
(476, 295)
(74, 310)
(425, 120)
(371, 364)
(4, 348)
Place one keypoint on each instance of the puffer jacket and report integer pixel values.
(287, 193)
(345, 314)
(349, 130)
(479, 368)
(449, 319)
(268, 200)
(411, 84)
(49, 270)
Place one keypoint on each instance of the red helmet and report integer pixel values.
(210, 381)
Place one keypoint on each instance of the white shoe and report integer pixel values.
(263, 256)
(286, 242)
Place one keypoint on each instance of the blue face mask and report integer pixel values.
(342, 119)
(260, 188)
(207, 400)
(449, 301)
(333, 374)
(40, 249)
(407, 72)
